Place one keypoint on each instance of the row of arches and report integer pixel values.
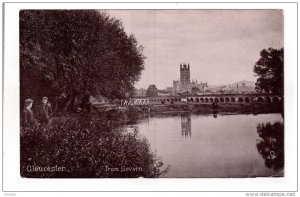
(227, 99)
(166, 100)
(259, 99)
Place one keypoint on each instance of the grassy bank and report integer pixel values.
(87, 146)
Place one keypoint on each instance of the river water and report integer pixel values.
(216, 145)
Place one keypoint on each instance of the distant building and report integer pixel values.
(169, 90)
(166, 92)
(185, 86)
(236, 88)
(176, 87)
(140, 92)
(163, 93)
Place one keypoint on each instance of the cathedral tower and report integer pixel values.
(184, 73)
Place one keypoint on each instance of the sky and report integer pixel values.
(221, 46)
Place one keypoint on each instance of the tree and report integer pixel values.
(152, 91)
(269, 69)
(195, 90)
(74, 52)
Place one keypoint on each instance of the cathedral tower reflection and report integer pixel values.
(186, 125)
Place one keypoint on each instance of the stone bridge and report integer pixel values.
(213, 98)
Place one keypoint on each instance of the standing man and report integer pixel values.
(44, 111)
(28, 116)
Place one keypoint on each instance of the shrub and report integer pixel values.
(86, 146)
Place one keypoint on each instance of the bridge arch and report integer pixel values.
(247, 100)
(202, 100)
(222, 100)
(227, 100)
(211, 100)
(232, 100)
(260, 99)
(216, 100)
(268, 99)
(197, 100)
(275, 99)
(206, 100)
(240, 100)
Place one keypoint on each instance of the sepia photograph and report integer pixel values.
(151, 93)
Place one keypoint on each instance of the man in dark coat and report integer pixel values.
(28, 116)
(44, 111)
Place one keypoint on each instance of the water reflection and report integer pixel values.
(215, 114)
(271, 144)
(222, 147)
(186, 125)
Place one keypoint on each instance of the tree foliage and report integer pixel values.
(269, 69)
(152, 91)
(74, 51)
(195, 90)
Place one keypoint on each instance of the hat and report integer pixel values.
(27, 102)
(45, 98)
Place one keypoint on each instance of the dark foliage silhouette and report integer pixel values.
(71, 52)
(269, 69)
(271, 144)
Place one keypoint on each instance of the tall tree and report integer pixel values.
(74, 51)
(269, 69)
